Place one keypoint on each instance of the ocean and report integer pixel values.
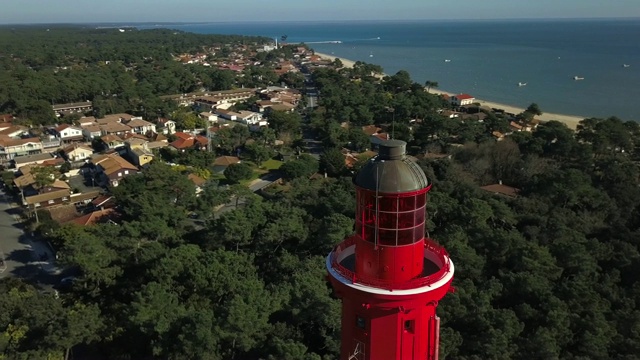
(488, 58)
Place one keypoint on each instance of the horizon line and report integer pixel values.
(319, 21)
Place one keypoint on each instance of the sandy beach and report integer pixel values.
(345, 62)
(570, 120)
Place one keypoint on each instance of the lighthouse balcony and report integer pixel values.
(436, 267)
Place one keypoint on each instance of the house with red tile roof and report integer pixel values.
(198, 182)
(56, 162)
(96, 217)
(111, 169)
(222, 162)
(104, 202)
(112, 141)
(186, 141)
(128, 136)
(371, 130)
(462, 99)
(48, 199)
(514, 126)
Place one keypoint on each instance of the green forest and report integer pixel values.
(117, 71)
(550, 274)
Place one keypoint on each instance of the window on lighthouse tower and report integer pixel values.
(408, 326)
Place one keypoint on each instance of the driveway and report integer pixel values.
(264, 181)
(21, 256)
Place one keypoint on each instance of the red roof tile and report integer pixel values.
(464, 97)
(94, 217)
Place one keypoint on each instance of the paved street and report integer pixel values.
(21, 257)
(264, 181)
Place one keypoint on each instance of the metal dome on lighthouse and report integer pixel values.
(388, 275)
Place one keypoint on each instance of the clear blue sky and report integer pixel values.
(53, 11)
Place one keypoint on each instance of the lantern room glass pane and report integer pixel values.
(368, 233)
(368, 198)
(418, 232)
(407, 203)
(406, 237)
(386, 237)
(388, 220)
(387, 203)
(406, 220)
(419, 216)
(399, 219)
(369, 216)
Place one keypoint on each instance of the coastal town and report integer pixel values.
(91, 154)
(177, 198)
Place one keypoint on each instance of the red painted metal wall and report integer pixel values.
(395, 264)
(385, 330)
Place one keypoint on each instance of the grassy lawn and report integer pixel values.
(256, 174)
(271, 164)
(267, 166)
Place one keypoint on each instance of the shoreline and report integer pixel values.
(570, 120)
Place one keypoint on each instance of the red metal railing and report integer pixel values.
(432, 247)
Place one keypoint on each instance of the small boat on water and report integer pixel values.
(578, 78)
(447, 60)
(625, 65)
(522, 84)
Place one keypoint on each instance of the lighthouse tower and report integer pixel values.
(388, 275)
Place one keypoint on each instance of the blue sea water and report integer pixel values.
(488, 58)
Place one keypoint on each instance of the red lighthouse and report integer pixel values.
(388, 275)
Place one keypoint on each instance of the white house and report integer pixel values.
(91, 131)
(140, 126)
(245, 117)
(10, 148)
(68, 133)
(210, 117)
(462, 99)
(13, 131)
(227, 114)
(77, 152)
(86, 120)
(250, 118)
(166, 126)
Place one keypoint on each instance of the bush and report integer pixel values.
(237, 172)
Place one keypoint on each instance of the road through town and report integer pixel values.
(21, 256)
